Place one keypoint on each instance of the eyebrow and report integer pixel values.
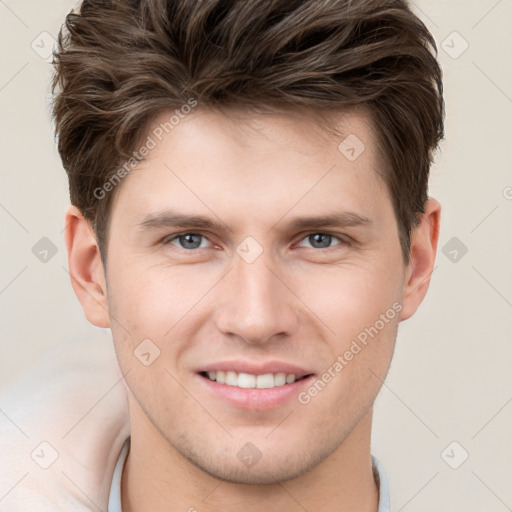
(339, 220)
(171, 219)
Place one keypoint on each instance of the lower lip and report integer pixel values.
(255, 398)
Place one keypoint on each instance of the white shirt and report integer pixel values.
(114, 503)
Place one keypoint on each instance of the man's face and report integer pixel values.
(262, 289)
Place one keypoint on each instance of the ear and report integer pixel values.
(424, 238)
(86, 268)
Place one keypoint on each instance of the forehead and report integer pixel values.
(269, 160)
(304, 131)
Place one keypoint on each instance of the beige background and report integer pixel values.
(450, 379)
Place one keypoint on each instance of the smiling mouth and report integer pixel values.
(250, 381)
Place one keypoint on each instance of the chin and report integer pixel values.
(248, 465)
(260, 474)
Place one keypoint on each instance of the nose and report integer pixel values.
(255, 303)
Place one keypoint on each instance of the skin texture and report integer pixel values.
(298, 302)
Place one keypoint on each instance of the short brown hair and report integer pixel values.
(119, 63)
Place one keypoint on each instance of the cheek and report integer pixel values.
(153, 299)
(159, 304)
(361, 309)
(349, 299)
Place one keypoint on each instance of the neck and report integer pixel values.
(157, 478)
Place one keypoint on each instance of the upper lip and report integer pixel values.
(255, 368)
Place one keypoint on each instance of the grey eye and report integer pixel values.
(188, 240)
(321, 240)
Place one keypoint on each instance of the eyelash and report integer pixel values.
(342, 240)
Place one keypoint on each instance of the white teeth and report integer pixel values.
(290, 378)
(279, 379)
(246, 380)
(249, 381)
(265, 381)
(231, 379)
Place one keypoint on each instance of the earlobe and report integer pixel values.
(86, 268)
(424, 239)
